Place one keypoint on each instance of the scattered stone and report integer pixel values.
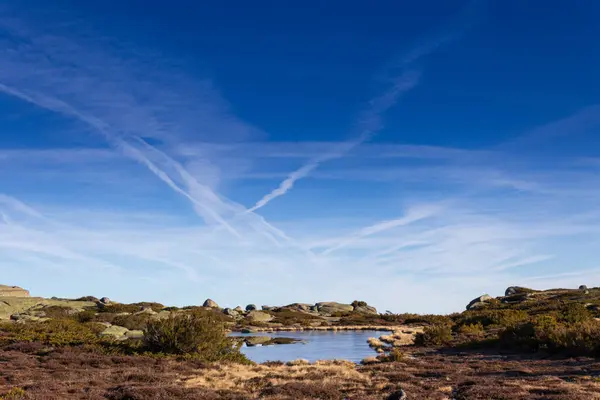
(398, 395)
(251, 307)
(13, 291)
(259, 316)
(297, 362)
(479, 302)
(210, 303)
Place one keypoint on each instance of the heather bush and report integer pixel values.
(200, 335)
(52, 332)
(132, 322)
(574, 313)
(435, 335)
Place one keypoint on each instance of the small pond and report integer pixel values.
(315, 345)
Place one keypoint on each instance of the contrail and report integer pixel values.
(370, 124)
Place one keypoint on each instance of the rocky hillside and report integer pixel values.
(13, 291)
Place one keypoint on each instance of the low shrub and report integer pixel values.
(52, 332)
(434, 335)
(118, 308)
(549, 334)
(194, 334)
(575, 312)
(131, 322)
(357, 303)
(471, 329)
(85, 316)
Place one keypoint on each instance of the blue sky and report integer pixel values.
(410, 155)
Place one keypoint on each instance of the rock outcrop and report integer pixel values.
(331, 307)
(230, 312)
(210, 303)
(479, 302)
(259, 316)
(512, 290)
(13, 291)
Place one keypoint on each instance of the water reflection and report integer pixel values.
(315, 345)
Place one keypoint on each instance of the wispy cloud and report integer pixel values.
(412, 215)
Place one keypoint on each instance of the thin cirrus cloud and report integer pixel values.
(476, 220)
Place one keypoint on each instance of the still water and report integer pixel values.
(315, 345)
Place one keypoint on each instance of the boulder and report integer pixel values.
(479, 302)
(115, 332)
(13, 291)
(239, 309)
(512, 290)
(398, 395)
(267, 308)
(135, 334)
(162, 315)
(210, 303)
(298, 307)
(256, 340)
(516, 298)
(583, 287)
(259, 316)
(230, 312)
(105, 301)
(331, 307)
(146, 311)
(365, 310)
(251, 307)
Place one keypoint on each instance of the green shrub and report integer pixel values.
(357, 303)
(200, 335)
(393, 356)
(88, 298)
(52, 332)
(118, 308)
(574, 313)
(85, 316)
(291, 317)
(131, 322)
(471, 329)
(434, 335)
